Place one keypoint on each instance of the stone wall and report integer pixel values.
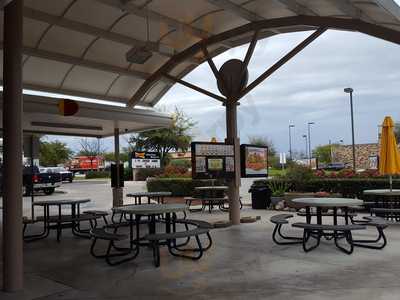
(344, 154)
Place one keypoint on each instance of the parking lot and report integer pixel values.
(100, 193)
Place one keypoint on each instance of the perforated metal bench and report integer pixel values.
(111, 237)
(196, 224)
(98, 213)
(280, 220)
(317, 231)
(154, 240)
(380, 224)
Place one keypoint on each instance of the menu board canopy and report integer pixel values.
(254, 160)
(212, 160)
(146, 160)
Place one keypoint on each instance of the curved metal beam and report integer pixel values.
(314, 22)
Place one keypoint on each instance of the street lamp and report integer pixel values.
(350, 91)
(305, 137)
(340, 142)
(290, 141)
(309, 141)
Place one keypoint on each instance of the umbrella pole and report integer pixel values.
(390, 182)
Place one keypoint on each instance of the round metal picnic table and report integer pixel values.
(158, 196)
(212, 188)
(382, 192)
(385, 198)
(60, 221)
(152, 211)
(213, 193)
(334, 203)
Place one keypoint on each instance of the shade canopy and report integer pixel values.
(42, 115)
(79, 47)
(389, 158)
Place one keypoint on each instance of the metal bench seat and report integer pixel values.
(101, 233)
(100, 213)
(316, 231)
(328, 214)
(380, 224)
(280, 220)
(176, 235)
(174, 249)
(386, 210)
(198, 223)
(328, 227)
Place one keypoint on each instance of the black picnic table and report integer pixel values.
(60, 221)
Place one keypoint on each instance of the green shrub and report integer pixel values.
(180, 162)
(179, 187)
(143, 174)
(347, 187)
(299, 173)
(172, 171)
(127, 174)
(97, 174)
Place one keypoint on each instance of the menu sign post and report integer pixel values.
(146, 160)
(212, 160)
(254, 161)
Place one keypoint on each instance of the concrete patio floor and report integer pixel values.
(243, 263)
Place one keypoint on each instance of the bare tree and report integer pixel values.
(92, 148)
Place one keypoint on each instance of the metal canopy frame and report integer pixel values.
(313, 22)
(249, 54)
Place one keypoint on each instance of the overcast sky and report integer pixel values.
(309, 88)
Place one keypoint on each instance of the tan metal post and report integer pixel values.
(117, 191)
(233, 184)
(12, 131)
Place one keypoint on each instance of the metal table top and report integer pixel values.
(61, 202)
(217, 188)
(149, 194)
(150, 209)
(328, 202)
(382, 192)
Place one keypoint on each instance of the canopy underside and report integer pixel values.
(79, 47)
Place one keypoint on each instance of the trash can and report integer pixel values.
(260, 197)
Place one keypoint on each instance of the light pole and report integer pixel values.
(379, 132)
(350, 91)
(309, 141)
(330, 146)
(305, 138)
(290, 141)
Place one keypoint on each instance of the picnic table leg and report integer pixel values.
(44, 233)
(308, 215)
(168, 226)
(59, 224)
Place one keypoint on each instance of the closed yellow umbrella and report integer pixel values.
(389, 158)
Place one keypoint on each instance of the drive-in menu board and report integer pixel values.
(254, 161)
(212, 160)
(146, 160)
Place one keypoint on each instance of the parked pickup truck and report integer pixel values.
(65, 174)
(42, 181)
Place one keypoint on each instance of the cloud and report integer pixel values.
(307, 88)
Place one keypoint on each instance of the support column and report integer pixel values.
(12, 134)
(234, 183)
(117, 191)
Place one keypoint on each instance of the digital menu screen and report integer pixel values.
(254, 161)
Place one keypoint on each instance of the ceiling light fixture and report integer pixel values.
(141, 54)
